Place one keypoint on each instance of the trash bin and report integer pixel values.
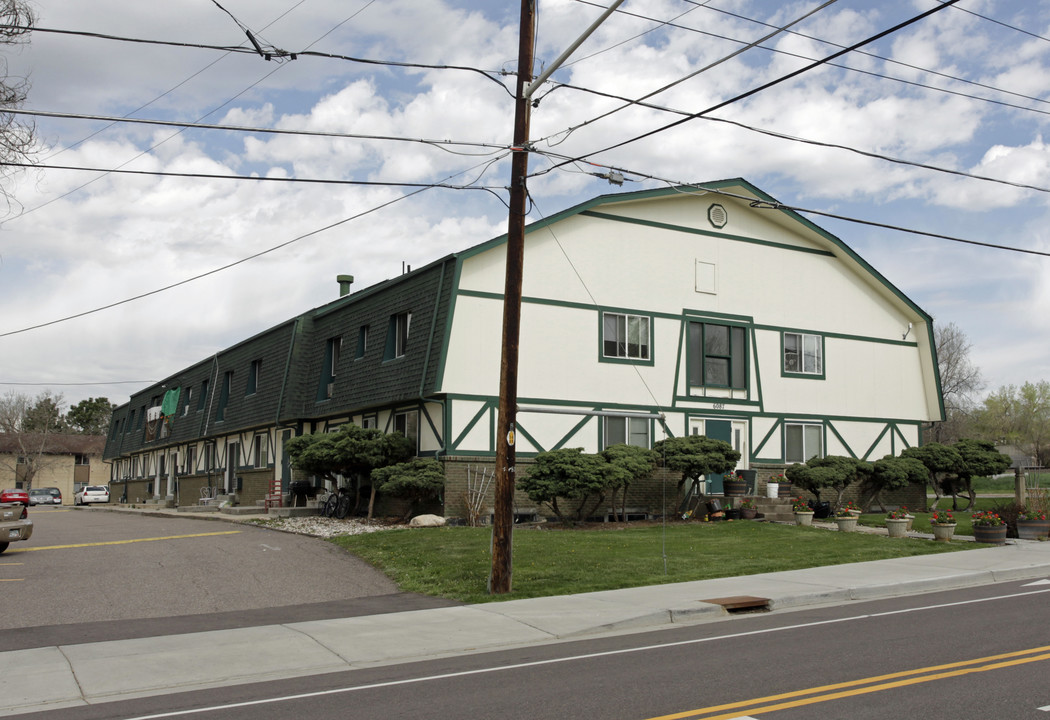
(751, 478)
(300, 491)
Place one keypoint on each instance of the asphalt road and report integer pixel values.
(89, 574)
(975, 653)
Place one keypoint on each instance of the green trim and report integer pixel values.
(758, 369)
(831, 426)
(572, 432)
(487, 407)
(519, 429)
(430, 422)
(439, 379)
(603, 358)
(706, 233)
(777, 424)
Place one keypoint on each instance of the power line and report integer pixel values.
(764, 86)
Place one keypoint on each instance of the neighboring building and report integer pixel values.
(708, 313)
(67, 462)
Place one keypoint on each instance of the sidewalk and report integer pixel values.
(72, 675)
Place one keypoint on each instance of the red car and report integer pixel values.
(14, 496)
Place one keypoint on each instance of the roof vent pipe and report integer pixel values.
(345, 281)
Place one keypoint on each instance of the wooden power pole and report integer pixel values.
(503, 519)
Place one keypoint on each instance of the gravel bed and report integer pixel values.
(324, 527)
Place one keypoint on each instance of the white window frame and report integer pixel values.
(621, 336)
(808, 354)
(634, 431)
(808, 429)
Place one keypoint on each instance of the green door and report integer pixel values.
(717, 430)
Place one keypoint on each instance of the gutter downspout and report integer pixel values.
(426, 361)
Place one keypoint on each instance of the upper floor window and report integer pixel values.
(717, 355)
(204, 395)
(625, 336)
(803, 354)
(627, 431)
(188, 399)
(803, 441)
(332, 350)
(397, 335)
(362, 342)
(224, 395)
(253, 377)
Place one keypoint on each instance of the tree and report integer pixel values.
(894, 473)
(566, 474)
(835, 472)
(17, 137)
(694, 456)
(1018, 416)
(417, 480)
(27, 425)
(941, 462)
(352, 452)
(960, 382)
(979, 459)
(623, 465)
(90, 417)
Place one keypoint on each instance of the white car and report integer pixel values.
(91, 494)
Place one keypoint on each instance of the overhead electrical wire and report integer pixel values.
(765, 86)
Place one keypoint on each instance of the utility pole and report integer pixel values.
(503, 518)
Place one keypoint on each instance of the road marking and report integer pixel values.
(897, 680)
(591, 656)
(1045, 708)
(123, 542)
(1037, 582)
(11, 579)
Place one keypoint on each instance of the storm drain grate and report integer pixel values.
(741, 603)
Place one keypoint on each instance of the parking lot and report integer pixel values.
(94, 573)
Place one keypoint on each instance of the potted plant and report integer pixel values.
(748, 510)
(803, 512)
(732, 513)
(733, 486)
(989, 528)
(943, 524)
(897, 522)
(774, 484)
(851, 507)
(846, 519)
(1032, 525)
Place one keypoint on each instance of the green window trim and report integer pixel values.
(717, 355)
(800, 437)
(616, 330)
(329, 368)
(799, 351)
(397, 336)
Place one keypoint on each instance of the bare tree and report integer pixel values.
(17, 135)
(960, 382)
(26, 427)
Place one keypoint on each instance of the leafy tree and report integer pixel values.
(417, 480)
(90, 417)
(1018, 416)
(893, 473)
(352, 452)
(27, 425)
(567, 474)
(941, 461)
(624, 465)
(694, 456)
(979, 459)
(834, 472)
(44, 415)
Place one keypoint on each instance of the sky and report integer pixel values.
(937, 127)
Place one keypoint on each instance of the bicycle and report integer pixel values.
(338, 503)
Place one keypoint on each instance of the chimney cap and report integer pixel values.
(345, 281)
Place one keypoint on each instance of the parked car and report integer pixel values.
(45, 496)
(91, 494)
(15, 524)
(14, 495)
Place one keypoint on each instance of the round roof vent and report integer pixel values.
(717, 215)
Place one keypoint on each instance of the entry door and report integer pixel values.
(233, 456)
(733, 432)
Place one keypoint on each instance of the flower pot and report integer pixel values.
(783, 489)
(897, 527)
(910, 519)
(943, 531)
(732, 514)
(734, 488)
(772, 490)
(1033, 529)
(748, 513)
(990, 534)
(856, 513)
(847, 523)
(804, 518)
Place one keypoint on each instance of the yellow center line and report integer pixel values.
(899, 679)
(11, 579)
(123, 542)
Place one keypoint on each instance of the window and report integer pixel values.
(209, 456)
(81, 460)
(253, 377)
(259, 451)
(803, 441)
(204, 395)
(717, 355)
(188, 401)
(627, 431)
(362, 342)
(191, 460)
(224, 395)
(369, 421)
(803, 354)
(625, 336)
(397, 336)
(407, 423)
(329, 368)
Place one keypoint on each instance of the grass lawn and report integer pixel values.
(454, 562)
